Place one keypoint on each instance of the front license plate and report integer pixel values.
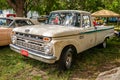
(24, 52)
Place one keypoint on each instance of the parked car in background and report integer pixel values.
(11, 15)
(6, 26)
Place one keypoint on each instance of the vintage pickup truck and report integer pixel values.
(66, 33)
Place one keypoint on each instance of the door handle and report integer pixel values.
(81, 37)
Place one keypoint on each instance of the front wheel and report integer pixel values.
(66, 59)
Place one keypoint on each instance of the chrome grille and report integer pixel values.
(30, 42)
(29, 36)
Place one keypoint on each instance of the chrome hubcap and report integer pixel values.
(68, 60)
(104, 44)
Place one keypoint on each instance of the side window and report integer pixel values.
(54, 19)
(8, 22)
(86, 21)
(22, 23)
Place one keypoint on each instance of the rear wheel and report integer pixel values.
(66, 59)
(104, 44)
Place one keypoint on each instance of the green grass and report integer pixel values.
(88, 64)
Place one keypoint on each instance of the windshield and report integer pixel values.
(5, 22)
(68, 19)
(23, 22)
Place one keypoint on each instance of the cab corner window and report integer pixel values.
(86, 21)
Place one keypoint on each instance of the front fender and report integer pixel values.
(60, 45)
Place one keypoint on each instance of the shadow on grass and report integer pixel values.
(3, 47)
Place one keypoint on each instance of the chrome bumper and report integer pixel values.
(35, 55)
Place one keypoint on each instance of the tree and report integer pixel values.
(51, 5)
(18, 6)
(3, 4)
(30, 5)
(22, 7)
(113, 5)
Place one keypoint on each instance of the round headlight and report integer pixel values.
(14, 39)
(48, 49)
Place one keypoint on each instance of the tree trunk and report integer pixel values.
(19, 12)
(18, 6)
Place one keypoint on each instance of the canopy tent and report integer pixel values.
(105, 13)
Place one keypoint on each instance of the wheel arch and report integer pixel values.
(59, 46)
(69, 46)
(105, 38)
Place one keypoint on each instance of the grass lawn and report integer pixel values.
(88, 64)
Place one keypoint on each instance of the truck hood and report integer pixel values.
(48, 30)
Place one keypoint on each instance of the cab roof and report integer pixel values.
(74, 11)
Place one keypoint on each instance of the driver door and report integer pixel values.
(89, 31)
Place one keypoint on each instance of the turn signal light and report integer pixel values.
(46, 39)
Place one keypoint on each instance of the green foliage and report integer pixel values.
(3, 4)
(46, 6)
(113, 5)
(14, 1)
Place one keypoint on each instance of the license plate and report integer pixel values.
(24, 52)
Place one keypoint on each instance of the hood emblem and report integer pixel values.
(27, 30)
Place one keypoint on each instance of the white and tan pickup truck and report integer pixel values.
(66, 33)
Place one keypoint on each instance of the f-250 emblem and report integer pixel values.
(27, 30)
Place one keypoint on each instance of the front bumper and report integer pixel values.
(35, 55)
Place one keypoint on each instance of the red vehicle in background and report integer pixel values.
(11, 15)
